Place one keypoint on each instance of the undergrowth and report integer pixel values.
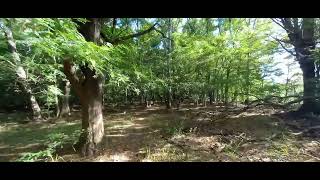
(54, 142)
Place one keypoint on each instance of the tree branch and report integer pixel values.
(114, 23)
(70, 73)
(278, 23)
(123, 38)
(286, 49)
(162, 34)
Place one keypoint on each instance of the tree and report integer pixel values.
(20, 71)
(90, 88)
(90, 92)
(301, 34)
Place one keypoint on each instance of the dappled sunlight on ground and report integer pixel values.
(118, 157)
(156, 134)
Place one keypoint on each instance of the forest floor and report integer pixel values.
(188, 134)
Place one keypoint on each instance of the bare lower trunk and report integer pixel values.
(57, 108)
(211, 96)
(92, 118)
(309, 85)
(35, 108)
(169, 98)
(146, 102)
(141, 99)
(64, 107)
(304, 45)
(90, 92)
(126, 98)
(204, 101)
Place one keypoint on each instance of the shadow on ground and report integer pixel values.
(157, 134)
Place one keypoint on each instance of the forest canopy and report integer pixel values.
(50, 67)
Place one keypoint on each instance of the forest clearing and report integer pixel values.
(159, 89)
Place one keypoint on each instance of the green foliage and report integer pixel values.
(54, 142)
(194, 57)
(176, 128)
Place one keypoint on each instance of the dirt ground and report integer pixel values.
(188, 134)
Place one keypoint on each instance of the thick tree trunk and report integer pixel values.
(90, 92)
(64, 102)
(92, 117)
(36, 111)
(22, 75)
(304, 45)
(302, 37)
(309, 86)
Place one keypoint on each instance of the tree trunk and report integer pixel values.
(247, 87)
(303, 39)
(146, 100)
(287, 81)
(141, 98)
(226, 90)
(309, 86)
(126, 98)
(64, 102)
(169, 99)
(217, 95)
(22, 75)
(90, 92)
(92, 117)
(211, 97)
(169, 47)
(304, 48)
(36, 111)
(56, 98)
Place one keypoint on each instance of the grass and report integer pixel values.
(149, 131)
(36, 133)
(23, 138)
(54, 142)
(167, 153)
(284, 148)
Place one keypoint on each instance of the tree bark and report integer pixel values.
(303, 40)
(304, 46)
(169, 98)
(22, 75)
(92, 116)
(90, 92)
(169, 47)
(309, 86)
(204, 100)
(126, 98)
(64, 102)
(141, 97)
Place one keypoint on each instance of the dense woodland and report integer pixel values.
(201, 88)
